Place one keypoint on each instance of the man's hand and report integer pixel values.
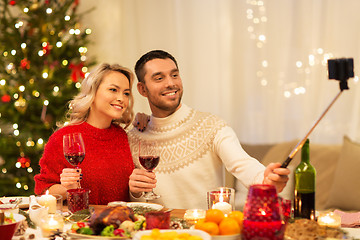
(141, 181)
(70, 178)
(277, 176)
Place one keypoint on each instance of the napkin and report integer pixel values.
(351, 220)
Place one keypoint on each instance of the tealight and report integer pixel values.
(192, 216)
(329, 219)
(51, 223)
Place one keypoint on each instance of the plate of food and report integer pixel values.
(138, 207)
(169, 234)
(24, 201)
(310, 229)
(118, 222)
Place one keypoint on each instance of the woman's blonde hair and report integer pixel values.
(79, 107)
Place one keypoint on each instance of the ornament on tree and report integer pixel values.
(5, 98)
(76, 71)
(24, 161)
(25, 64)
(46, 47)
(20, 104)
(12, 2)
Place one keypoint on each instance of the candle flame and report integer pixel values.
(47, 192)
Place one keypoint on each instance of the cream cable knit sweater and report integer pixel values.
(194, 148)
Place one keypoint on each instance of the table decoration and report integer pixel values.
(51, 223)
(47, 200)
(157, 219)
(222, 198)
(329, 219)
(78, 199)
(262, 214)
(194, 215)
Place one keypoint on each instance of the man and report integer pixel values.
(194, 145)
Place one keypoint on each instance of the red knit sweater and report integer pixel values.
(106, 167)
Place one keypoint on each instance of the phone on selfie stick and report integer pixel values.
(340, 69)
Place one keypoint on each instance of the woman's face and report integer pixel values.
(111, 100)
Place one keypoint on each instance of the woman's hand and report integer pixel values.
(70, 178)
(141, 181)
(141, 121)
(277, 176)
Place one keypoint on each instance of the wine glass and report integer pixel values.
(74, 149)
(149, 158)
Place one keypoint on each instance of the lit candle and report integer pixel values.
(51, 223)
(194, 215)
(223, 206)
(49, 201)
(329, 219)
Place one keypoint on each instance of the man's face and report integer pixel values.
(163, 86)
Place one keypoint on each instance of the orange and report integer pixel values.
(238, 216)
(229, 226)
(214, 215)
(210, 227)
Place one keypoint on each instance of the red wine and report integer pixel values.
(75, 158)
(149, 162)
(304, 205)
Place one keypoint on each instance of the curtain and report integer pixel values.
(260, 65)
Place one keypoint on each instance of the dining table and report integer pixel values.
(35, 233)
(31, 233)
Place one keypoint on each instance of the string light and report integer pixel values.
(26, 10)
(67, 18)
(13, 52)
(59, 44)
(48, 10)
(2, 82)
(23, 45)
(45, 75)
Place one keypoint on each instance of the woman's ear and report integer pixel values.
(142, 89)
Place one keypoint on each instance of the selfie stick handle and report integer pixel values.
(301, 142)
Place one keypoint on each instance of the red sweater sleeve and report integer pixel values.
(52, 163)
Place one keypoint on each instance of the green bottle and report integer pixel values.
(305, 175)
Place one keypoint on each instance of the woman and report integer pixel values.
(105, 102)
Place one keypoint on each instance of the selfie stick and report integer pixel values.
(339, 69)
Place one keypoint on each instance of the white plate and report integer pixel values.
(195, 232)
(8, 200)
(84, 236)
(156, 207)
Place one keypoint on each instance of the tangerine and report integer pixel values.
(209, 227)
(229, 226)
(238, 216)
(214, 215)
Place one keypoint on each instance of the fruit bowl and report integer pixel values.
(7, 231)
(226, 237)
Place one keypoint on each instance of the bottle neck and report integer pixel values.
(305, 152)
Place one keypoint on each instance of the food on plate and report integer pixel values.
(169, 235)
(111, 221)
(309, 229)
(216, 223)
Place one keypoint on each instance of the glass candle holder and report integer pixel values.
(262, 214)
(51, 223)
(329, 219)
(77, 199)
(157, 219)
(192, 216)
(222, 198)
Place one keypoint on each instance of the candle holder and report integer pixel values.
(54, 202)
(157, 219)
(262, 214)
(192, 216)
(329, 219)
(51, 223)
(222, 198)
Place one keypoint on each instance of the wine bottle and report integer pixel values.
(305, 175)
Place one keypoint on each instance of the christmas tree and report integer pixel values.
(42, 62)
